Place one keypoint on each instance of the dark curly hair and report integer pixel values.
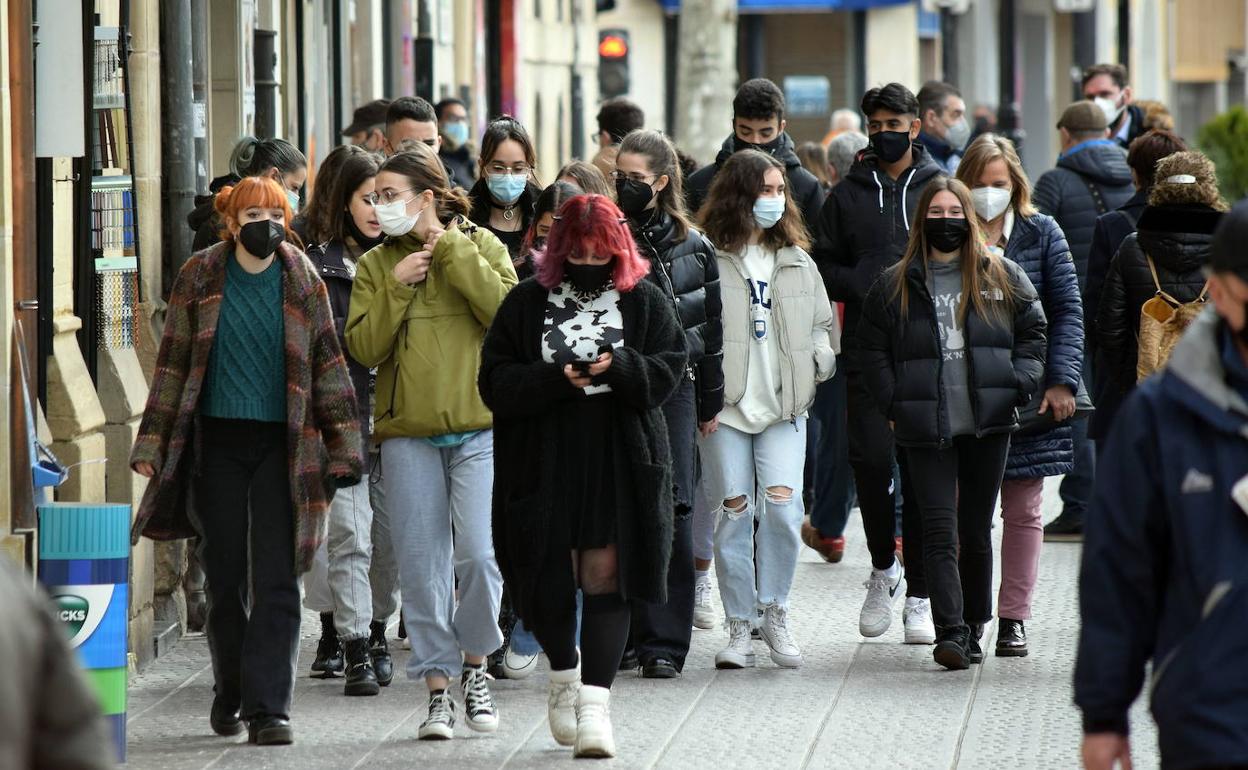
(893, 97)
(758, 99)
(727, 217)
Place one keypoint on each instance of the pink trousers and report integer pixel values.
(1020, 546)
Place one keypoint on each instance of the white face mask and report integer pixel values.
(958, 134)
(991, 202)
(394, 219)
(1111, 109)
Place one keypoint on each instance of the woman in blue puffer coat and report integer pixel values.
(1002, 195)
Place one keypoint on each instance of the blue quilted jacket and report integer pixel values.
(1038, 245)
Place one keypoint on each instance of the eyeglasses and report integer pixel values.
(519, 169)
(389, 196)
(617, 175)
(371, 198)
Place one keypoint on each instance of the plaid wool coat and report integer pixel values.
(322, 418)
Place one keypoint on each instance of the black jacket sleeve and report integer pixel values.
(512, 386)
(1100, 254)
(710, 369)
(1030, 340)
(832, 253)
(645, 378)
(1114, 329)
(875, 346)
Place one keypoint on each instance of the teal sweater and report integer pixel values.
(246, 377)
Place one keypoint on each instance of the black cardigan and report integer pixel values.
(523, 390)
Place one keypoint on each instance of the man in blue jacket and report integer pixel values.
(1165, 560)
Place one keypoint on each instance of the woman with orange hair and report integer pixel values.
(576, 367)
(252, 423)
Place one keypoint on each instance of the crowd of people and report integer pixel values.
(532, 417)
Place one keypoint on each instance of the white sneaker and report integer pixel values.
(440, 724)
(703, 604)
(883, 589)
(594, 737)
(775, 632)
(917, 618)
(561, 705)
(740, 650)
(478, 702)
(517, 666)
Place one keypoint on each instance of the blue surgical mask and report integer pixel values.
(768, 210)
(293, 198)
(507, 188)
(457, 132)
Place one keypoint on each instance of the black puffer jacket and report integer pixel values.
(203, 218)
(688, 272)
(902, 360)
(329, 259)
(1179, 239)
(1064, 193)
(804, 188)
(864, 228)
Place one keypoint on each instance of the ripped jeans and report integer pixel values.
(755, 569)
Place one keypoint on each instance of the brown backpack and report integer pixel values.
(1163, 319)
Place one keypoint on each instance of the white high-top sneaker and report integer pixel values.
(561, 704)
(917, 618)
(594, 737)
(703, 603)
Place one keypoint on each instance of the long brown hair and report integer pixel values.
(425, 171)
(727, 217)
(661, 159)
(984, 274)
(341, 174)
(986, 149)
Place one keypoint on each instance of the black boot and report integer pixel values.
(361, 680)
(951, 644)
(1066, 528)
(973, 649)
(379, 651)
(1011, 639)
(224, 717)
(328, 663)
(270, 731)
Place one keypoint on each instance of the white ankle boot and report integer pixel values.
(594, 737)
(561, 705)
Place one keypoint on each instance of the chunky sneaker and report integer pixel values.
(703, 603)
(883, 589)
(917, 618)
(951, 649)
(440, 724)
(478, 702)
(775, 631)
(740, 650)
(561, 705)
(594, 736)
(517, 665)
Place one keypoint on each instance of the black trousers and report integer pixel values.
(244, 509)
(664, 630)
(957, 491)
(871, 455)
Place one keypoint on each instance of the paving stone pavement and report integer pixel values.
(855, 703)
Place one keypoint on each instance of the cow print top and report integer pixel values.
(579, 325)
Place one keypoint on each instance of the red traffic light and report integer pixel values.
(612, 47)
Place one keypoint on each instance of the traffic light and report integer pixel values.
(613, 79)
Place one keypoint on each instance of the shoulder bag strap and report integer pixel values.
(1157, 283)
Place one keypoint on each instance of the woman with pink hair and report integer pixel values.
(576, 366)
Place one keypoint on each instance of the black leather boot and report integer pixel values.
(270, 731)
(1011, 639)
(361, 679)
(328, 663)
(951, 648)
(379, 651)
(974, 651)
(224, 717)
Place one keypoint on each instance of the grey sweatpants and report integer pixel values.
(383, 573)
(338, 581)
(439, 505)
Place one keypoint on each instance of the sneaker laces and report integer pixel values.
(738, 633)
(563, 696)
(778, 627)
(877, 587)
(477, 697)
(441, 709)
(919, 611)
(702, 593)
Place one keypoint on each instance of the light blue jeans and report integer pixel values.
(755, 569)
(439, 505)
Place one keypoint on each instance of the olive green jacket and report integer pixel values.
(425, 340)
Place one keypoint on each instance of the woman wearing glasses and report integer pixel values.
(648, 187)
(420, 306)
(503, 197)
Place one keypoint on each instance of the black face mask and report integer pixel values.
(588, 278)
(261, 238)
(890, 146)
(946, 234)
(362, 240)
(739, 144)
(633, 196)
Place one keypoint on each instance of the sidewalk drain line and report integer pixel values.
(827, 715)
(970, 704)
(667, 744)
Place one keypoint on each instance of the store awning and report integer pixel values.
(796, 6)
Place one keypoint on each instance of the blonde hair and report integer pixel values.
(986, 149)
(1192, 163)
(984, 273)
